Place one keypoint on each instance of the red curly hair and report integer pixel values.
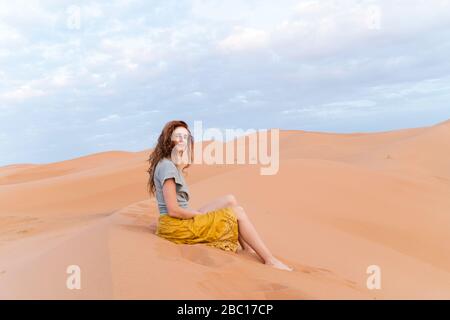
(163, 149)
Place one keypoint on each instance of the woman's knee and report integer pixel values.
(239, 212)
(231, 200)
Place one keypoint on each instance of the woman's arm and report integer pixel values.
(170, 197)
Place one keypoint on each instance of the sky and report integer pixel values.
(81, 77)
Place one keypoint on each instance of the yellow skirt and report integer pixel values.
(218, 228)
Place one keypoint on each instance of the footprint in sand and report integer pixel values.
(326, 273)
(308, 269)
(143, 205)
(239, 285)
(24, 231)
(199, 254)
(280, 291)
(351, 284)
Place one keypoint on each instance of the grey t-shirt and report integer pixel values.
(166, 169)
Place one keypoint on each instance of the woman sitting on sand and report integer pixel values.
(221, 223)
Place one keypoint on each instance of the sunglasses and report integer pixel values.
(181, 136)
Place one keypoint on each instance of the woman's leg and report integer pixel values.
(245, 246)
(248, 233)
(221, 202)
(228, 200)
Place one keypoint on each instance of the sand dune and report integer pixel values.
(339, 203)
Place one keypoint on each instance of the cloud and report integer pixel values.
(244, 39)
(333, 109)
(137, 64)
(17, 92)
(218, 11)
(10, 36)
(351, 104)
(20, 94)
(109, 118)
(424, 87)
(99, 137)
(27, 13)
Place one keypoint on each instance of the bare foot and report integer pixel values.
(278, 265)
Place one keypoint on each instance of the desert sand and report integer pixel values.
(339, 203)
